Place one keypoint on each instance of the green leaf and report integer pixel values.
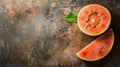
(72, 17)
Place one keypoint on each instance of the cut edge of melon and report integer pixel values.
(99, 57)
(109, 22)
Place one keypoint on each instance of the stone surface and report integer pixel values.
(33, 33)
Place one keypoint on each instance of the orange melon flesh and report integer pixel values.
(94, 19)
(98, 48)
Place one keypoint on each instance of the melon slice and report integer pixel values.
(94, 19)
(98, 48)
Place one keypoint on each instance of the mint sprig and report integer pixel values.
(72, 17)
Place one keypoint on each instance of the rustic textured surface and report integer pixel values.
(33, 33)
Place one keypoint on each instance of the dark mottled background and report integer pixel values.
(33, 33)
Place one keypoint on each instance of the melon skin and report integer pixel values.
(92, 49)
(104, 22)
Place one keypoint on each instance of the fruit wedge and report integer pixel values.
(94, 19)
(98, 48)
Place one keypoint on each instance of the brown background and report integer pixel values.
(33, 33)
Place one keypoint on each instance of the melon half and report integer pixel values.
(98, 48)
(94, 19)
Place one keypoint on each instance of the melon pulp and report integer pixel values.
(94, 19)
(98, 48)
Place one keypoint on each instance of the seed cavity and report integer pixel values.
(85, 53)
(101, 48)
(93, 20)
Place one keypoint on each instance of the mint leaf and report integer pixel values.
(72, 17)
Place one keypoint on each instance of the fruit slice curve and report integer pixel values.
(98, 48)
(94, 19)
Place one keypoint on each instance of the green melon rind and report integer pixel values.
(101, 56)
(90, 34)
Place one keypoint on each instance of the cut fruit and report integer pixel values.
(94, 19)
(98, 48)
